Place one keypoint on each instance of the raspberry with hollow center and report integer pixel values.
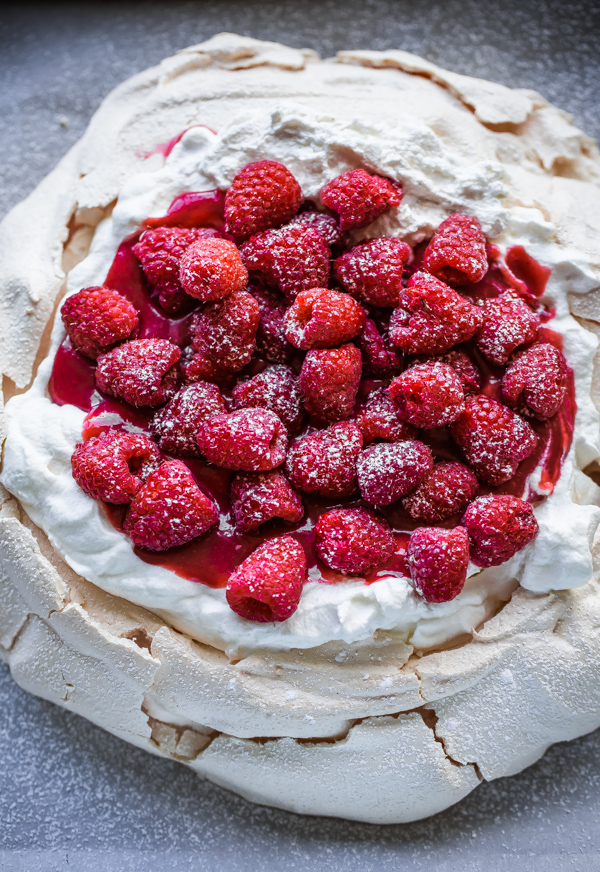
(535, 381)
(263, 194)
(271, 343)
(372, 270)
(438, 561)
(176, 425)
(457, 252)
(388, 471)
(359, 197)
(324, 224)
(142, 372)
(267, 586)
(378, 358)
(508, 323)
(225, 331)
(320, 318)
(498, 527)
(324, 462)
(211, 269)
(112, 467)
(169, 509)
(353, 540)
(253, 440)
(261, 496)
(275, 388)
(443, 492)
(98, 318)
(463, 366)
(428, 395)
(294, 258)
(493, 439)
(329, 381)
(379, 419)
(432, 317)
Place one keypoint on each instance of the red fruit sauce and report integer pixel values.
(211, 558)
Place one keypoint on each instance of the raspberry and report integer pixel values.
(498, 527)
(493, 439)
(267, 586)
(378, 359)
(225, 331)
(253, 440)
(360, 198)
(197, 367)
(324, 462)
(96, 319)
(372, 270)
(321, 318)
(169, 509)
(535, 382)
(275, 388)
(432, 317)
(462, 365)
(176, 425)
(324, 224)
(428, 395)
(387, 471)
(260, 497)
(159, 252)
(113, 467)
(211, 269)
(379, 419)
(508, 323)
(142, 372)
(293, 258)
(329, 381)
(353, 540)
(443, 492)
(262, 195)
(457, 251)
(271, 343)
(438, 561)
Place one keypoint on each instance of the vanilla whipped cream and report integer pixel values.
(42, 436)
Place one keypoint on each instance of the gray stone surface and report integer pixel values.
(74, 797)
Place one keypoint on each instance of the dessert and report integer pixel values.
(372, 655)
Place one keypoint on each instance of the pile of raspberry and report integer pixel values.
(319, 365)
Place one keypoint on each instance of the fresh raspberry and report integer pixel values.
(493, 439)
(261, 496)
(498, 527)
(463, 366)
(508, 323)
(253, 440)
(96, 319)
(457, 252)
(329, 381)
(267, 586)
(225, 331)
(353, 540)
(378, 358)
(142, 372)
(379, 419)
(262, 195)
(271, 343)
(438, 561)
(372, 270)
(294, 258)
(431, 317)
(112, 467)
(176, 425)
(324, 462)
(428, 395)
(275, 388)
(359, 198)
(444, 491)
(387, 471)
(169, 509)
(324, 224)
(535, 382)
(159, 251)
(321, 318)
(197, 367)
(211, 269)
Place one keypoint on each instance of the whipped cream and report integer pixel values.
(316, 148)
